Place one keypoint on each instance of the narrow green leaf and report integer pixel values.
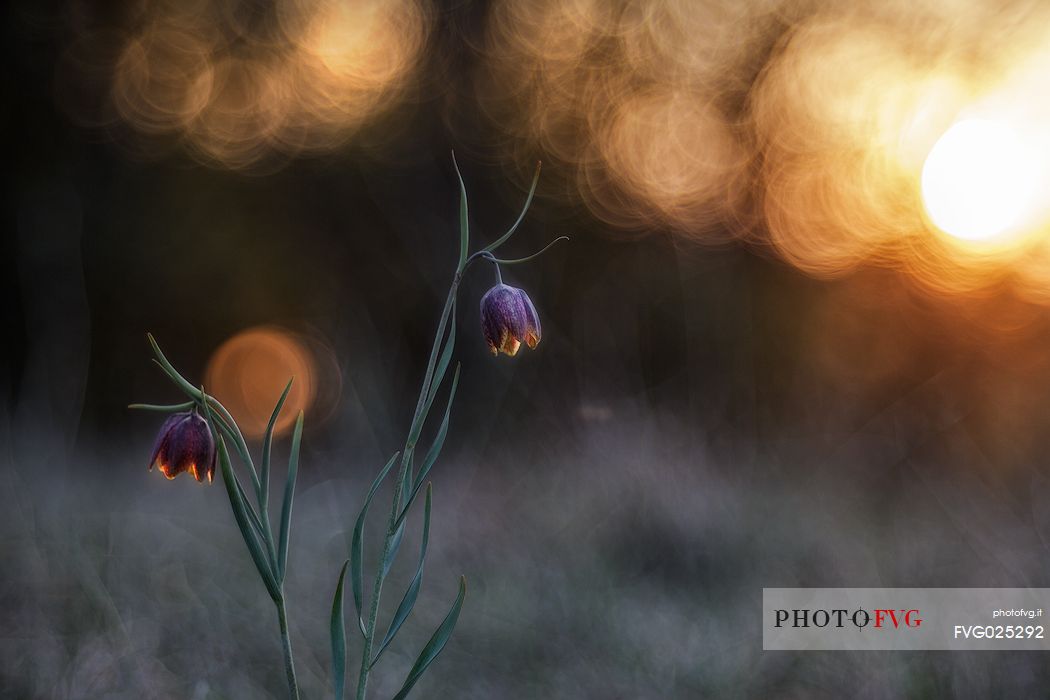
(181, 382)
(419, 416)
(442, 433)
(435, 379)
(464, 226)
(406, 481)
(169, 369)
(338, 631)
(253, 517)
(435, 449)
(171, 408)
(436, 643)
(240, 515)
(442, 367)
(521, 217)
(289, 494)
(229, 426)
(409, 600)
(262, 529)
(250, 540)
(356, 547)
(264, 478)
(395, 545)
(527, 258)
(230, 432)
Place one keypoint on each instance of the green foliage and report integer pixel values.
(338, 633)
(356, 543)
(270, 557)
(270, 554)
(268, 445)
(408, 485)
(238, 504)
(436, 643)
(289, 494)
(409, 599)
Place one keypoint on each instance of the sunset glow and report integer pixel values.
(980, 181)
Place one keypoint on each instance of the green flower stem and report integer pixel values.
(233, 431)
(271, 550)
(404, 481)
(255, 528)
(394, 522)
(406, 461)
(267, 569)
(286, 645)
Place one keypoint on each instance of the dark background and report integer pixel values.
(699, 422)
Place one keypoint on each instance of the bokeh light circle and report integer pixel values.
(979, 180)
(248, 372)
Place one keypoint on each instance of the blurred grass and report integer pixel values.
(621, 563)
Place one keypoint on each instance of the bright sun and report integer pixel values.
(979, 181)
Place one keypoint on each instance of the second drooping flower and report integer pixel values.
(508, 319)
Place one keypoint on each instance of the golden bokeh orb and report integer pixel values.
(248, 372)
(980, 181)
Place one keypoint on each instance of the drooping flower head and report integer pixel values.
(509, 319)
(185, 443)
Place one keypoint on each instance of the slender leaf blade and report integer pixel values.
(169, 369)
(167, 408)
(527, 258)
(240, 515)
(435, 379)
(252, 515)
(289, 495)
(435, 449)
(229, 426)
(521, 217)
(404, 609)
(230, 433)
(264, 478)
(443, 363)
(464, 226)
(356, 546)
(395, 545)
(217, 422)
(436, 644)
(338, 634)
(439, 439)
